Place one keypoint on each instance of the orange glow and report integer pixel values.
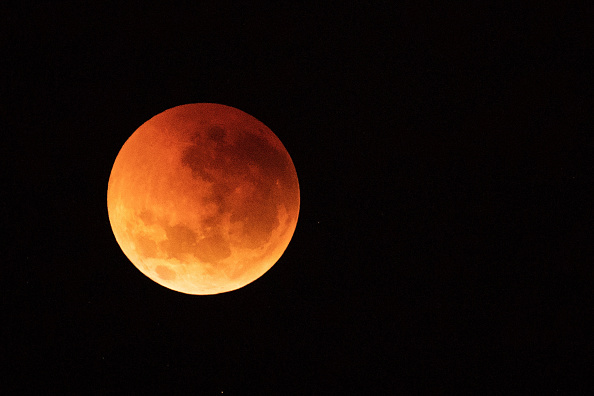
(203, 198)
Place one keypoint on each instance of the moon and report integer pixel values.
(203, 198)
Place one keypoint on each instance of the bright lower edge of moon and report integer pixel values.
(203, 198)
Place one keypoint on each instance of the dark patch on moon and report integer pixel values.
(229, 166)
(216, 133)
(180, 240)
(196, 158)
(165, 273)
(213, 248)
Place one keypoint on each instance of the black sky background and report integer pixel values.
(444, 241)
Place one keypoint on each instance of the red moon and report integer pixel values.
(203, 198)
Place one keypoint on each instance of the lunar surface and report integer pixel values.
(203, 198)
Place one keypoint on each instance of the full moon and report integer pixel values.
(203, 198)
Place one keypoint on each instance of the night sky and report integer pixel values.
(444, 241)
